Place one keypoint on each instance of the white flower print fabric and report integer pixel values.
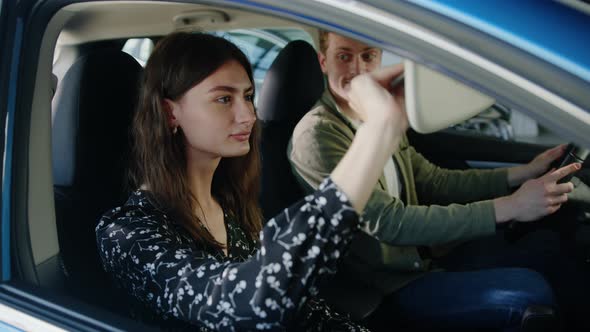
(262, 286)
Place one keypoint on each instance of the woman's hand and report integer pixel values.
(385, 123)
(371, 97)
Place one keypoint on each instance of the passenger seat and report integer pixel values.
(91, 117)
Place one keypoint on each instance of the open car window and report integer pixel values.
(507, 124)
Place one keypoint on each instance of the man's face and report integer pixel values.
(344, 59)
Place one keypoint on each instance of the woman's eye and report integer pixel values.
(224, 99)
(250, 97)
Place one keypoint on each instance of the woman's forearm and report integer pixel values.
(362, 165)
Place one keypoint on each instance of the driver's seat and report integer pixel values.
(293, 83)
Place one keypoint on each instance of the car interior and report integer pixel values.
(85, 90)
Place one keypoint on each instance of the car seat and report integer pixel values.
(293, 83)
(91, 116)
(292, 86)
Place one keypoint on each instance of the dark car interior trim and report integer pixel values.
(63, 311)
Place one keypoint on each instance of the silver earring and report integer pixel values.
(175, 130)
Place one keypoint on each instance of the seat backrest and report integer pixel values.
(293, 83)
(291, 87)
(91, 117)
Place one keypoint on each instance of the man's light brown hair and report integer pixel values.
(323, 35)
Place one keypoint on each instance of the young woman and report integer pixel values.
(189, 242)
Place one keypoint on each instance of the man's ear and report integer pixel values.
(171, 108)
(322, 61)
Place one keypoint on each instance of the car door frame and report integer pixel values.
(17, 85)
(19, 287)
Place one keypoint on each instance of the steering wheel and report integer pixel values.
(573, 153)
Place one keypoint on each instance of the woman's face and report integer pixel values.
(217, 115)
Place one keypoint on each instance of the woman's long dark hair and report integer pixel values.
(179, 62)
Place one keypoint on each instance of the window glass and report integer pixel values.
(261, 52)
(494, 122)
(262, 46)
(497, 121)
(526, 129)
(292, 34)
(507, 124)
(388, 59)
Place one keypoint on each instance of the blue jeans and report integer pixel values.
(487, 284)
(470, 300)
(544, 251)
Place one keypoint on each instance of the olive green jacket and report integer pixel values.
(322, 138)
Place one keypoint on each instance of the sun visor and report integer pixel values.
(435, 101)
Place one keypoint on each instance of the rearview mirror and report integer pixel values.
(435, 101)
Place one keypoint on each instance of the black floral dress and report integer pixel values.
(258, 286)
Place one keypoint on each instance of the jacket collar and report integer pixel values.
(328, 101)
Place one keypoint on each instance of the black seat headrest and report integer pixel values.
(92, 110)
(292, 85)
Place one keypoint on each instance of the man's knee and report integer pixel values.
(527, 287)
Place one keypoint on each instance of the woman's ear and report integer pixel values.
(170, 108)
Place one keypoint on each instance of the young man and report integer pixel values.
(407, 228)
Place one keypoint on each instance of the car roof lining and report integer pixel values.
(93, 21)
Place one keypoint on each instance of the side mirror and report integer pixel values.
(435, 101)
